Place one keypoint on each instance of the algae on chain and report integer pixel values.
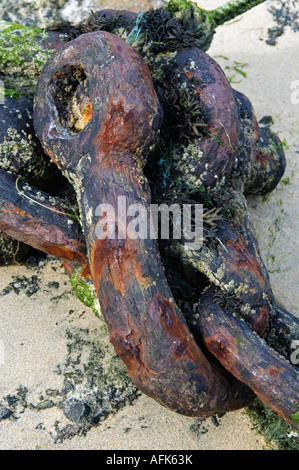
(232, 9)
(220, 15)
(23, 53)
(21, 49)
(177, 6)
(160, 30)
(13, 94)
(18, 87)
(85, 291)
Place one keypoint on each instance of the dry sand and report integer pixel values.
(34, 344)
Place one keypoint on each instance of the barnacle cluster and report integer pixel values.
(20, 151)
(11, 250)
(175, 193)
(102, 21)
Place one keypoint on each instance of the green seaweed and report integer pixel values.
(13, 94)
(23, 52)
(234, 70)
(85, 291)
(220, 15)
(272, 427)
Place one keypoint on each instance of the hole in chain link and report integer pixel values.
(69, 91)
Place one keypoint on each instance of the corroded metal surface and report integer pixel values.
(41, 221)
(273, 379)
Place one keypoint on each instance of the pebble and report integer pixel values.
(5, 413)
(76, 410)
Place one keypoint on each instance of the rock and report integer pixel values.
(45, 404)
(11, 400)
(33, 13)
(5, 413)
(76, 410)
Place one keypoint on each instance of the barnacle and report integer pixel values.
(159, 27)
(163, 31)
(70, 30)
(177, 193)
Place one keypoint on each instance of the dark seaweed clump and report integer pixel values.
(182, 114)
(286, 14)
(228, 301)
(161, 29)
(164, 31)
(272, 426)
(97, 21)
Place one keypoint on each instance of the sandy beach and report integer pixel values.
(50, 342)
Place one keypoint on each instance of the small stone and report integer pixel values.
(43, 405)
(5, 413)
(31, 290)
(52, 392)
(53, 284)
(11, 399)
(76, 410)
(271, 41)
(5, 291)
(266, 121)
